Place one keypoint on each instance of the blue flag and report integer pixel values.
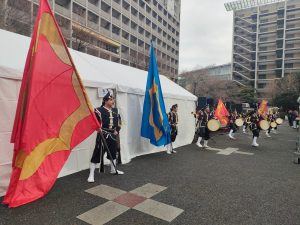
(155, 124)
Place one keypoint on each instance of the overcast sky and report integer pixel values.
(205, 34)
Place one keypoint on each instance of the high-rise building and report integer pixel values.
(266, 41)
(116, 30)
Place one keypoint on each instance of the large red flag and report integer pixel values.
(263, 108)
(221, 113)
(53, 113)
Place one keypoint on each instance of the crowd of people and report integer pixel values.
(206, 121)
(252, 121)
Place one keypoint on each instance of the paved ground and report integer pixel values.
(201, 187)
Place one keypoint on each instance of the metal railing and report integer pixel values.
(241, 65)
(105, 15)
(93, 8)
(116, 6)
(79, 19)
(125, 41)
(116, 36)
(248, 50)
(242, 28)
(116, 21)
(126, 27)
(126, 12)
(242, 75)
(108, 2)
(133, 45)
(82, 2)
(62, 10)
(134, 4)
(249, 60)
(93, 25)
(105, 32)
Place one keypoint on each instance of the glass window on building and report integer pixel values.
(289, 55)
(262, 76)
(261, 85)
(289, 65)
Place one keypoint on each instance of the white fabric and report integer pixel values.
(129, 84)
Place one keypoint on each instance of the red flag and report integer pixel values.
(263, 108)
(221, 113)
(53, 113)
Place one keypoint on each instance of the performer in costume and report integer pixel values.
(233, 128)
(275, 116)
(173, 121)
(246, 119)
(270, 119)
(109, 117)
(254, 126)
(202, 130)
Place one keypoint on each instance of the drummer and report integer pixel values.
(202, 129)
(254, 126)
(246, 119)
(270, 119)
(232, 126)
(275, 116)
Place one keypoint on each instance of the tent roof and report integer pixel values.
(94, 71)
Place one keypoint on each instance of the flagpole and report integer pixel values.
(107, 149)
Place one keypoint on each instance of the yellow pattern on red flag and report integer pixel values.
(222, 113)
(263, 108)
(53, 114)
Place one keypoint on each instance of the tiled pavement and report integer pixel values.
(121, 201)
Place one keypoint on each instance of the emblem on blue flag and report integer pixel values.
(155, 124)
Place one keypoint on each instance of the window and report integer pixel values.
(263, 57)
(263, 39)
(263, 48)
(290, 36)
(262, 30)
(261, 85)
(264, 11)
(262, 76)
(289, 45)
(262, 67)
(289, 65)
(290, 26)
(289, 55)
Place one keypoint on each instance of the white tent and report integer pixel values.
(129, 84)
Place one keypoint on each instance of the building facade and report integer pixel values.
(116, 30)
(222, 72)
(217, 72)
(266, 41)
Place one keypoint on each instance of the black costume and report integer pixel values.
(110, 120)
(173, 121)
(232, 126)
(254, 125)
(203, 131)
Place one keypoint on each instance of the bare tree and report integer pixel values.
(289, 83)
(200, 83)
(140, 61)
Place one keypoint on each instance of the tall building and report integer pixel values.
(266, 41)
(116, 30)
